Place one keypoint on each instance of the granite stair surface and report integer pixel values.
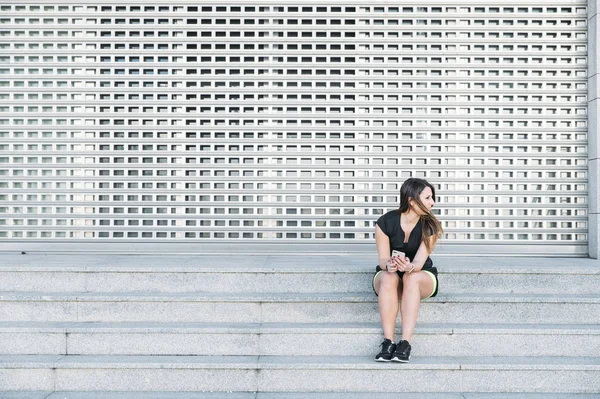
(282, 395)
(260, 326)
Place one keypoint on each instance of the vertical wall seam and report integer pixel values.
(593, 135)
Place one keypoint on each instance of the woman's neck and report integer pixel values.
(410, 217)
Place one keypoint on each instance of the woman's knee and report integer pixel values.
(389, 281)
(411, 281)
(418, 281)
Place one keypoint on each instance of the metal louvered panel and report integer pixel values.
(292, 122)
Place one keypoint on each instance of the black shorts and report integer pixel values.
(432, 271)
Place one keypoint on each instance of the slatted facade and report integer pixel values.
(295, 123)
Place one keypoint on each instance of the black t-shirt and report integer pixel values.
(390, 225)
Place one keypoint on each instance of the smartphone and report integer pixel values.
(398, 253)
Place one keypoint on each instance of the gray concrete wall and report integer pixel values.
(593, 139)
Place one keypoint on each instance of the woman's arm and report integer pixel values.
(422, 254)
(383, 246)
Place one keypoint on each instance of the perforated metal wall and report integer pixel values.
(289, 122)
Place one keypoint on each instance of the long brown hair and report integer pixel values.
(412, 188)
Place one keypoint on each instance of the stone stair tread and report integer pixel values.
(33, 395)
(307, 328)
(286, 395)
(339, 263)
(298, 362)
(435, 362)
(139, 320)
(425, 395)
(288, 297)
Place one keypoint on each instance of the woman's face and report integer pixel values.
(426, 198)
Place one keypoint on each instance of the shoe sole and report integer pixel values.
(396, 360)
(382, 360)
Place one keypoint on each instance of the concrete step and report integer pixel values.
(287, 274)
(288, 395)
(302, 339)
(292, 308)
(299, 374)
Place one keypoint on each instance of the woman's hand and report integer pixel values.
(393, 264)
(403, 264)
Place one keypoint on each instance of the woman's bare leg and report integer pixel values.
(416, 286)
(388, 287)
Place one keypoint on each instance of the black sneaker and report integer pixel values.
(402, 352)
(387, 349)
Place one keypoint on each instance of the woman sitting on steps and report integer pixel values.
(407, 277)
